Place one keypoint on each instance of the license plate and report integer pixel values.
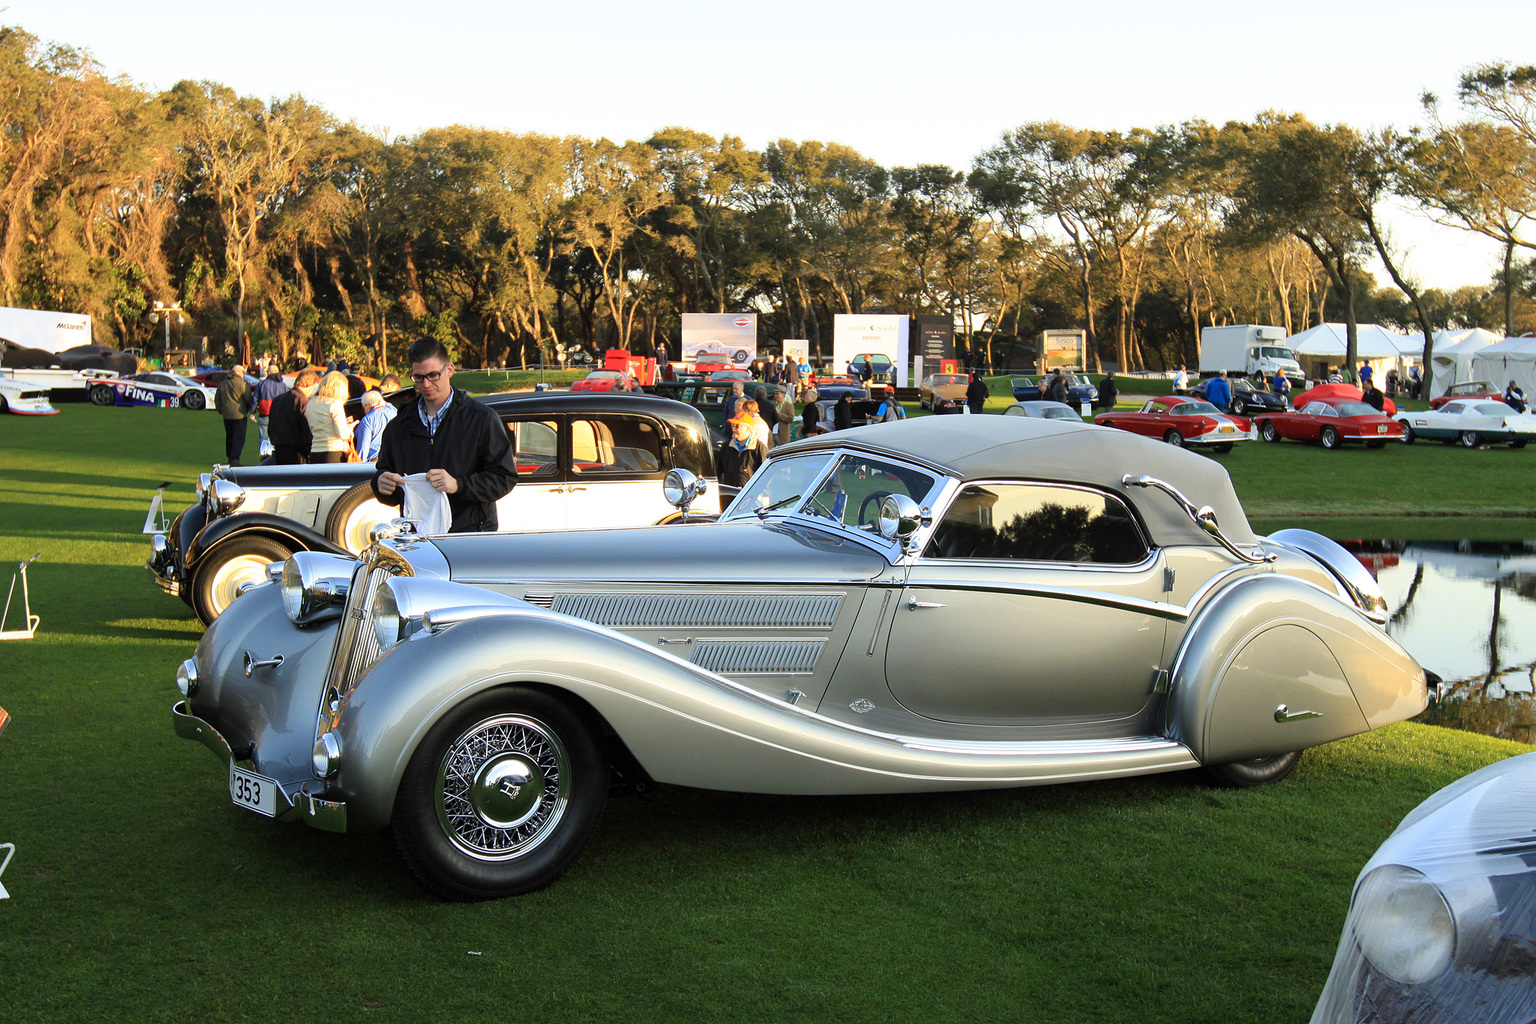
(1227, 429)
(256, 792)
(1381, 428)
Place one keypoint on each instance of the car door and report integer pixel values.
(538, 501)
(617, 462)
(1033, 604)
(1309, 425)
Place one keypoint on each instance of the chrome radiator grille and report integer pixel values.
(758, 657)
(620, 611)
(357, 646)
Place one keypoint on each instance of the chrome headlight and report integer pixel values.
(225, 496)
(681, 488)
(203, 480)
(1403, 924)
(326, 758)
(407, 605)
(390, 624)
(314, 586)
(186, 677)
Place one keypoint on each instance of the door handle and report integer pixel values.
(913, 604)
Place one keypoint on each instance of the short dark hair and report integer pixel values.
(425, 348)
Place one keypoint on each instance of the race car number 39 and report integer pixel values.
(252, 791)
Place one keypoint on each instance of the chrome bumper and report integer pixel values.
(317, 812)
(162, 565)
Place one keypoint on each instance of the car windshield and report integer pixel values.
(1271, 352)
(604, 375)
(1355, 409)
(781, 485)
(940, 379)
(1057, 412)
(1197, 408)
(848, 493)
(852, 492)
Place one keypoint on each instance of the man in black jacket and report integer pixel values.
(456, 441)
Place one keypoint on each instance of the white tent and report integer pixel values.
(1454, 352)
(1513, 359)
(1323, 346)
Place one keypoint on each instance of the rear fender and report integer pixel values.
(1274, 664)
(257, 524)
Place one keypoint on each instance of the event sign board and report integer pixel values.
(1066, 347)
(800, 348)
(720, 337)
(935, 340)
(41, 328)
(856, 333)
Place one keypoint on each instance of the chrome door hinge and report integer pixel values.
(1160, 681)
(1168, 577)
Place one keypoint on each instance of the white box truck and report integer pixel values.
(1246, 350)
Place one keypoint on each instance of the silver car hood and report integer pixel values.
(772, 551)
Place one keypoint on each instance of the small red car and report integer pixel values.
(1339, 392)
(1330, 422)
(606, 380)
(1182, 421)
(1467, 389)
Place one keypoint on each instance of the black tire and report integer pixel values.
(193, 400)
(355, 513)
(228, 565)
(1174, 438)
(1269, 432)
(4, 405)
(1221, 449)
(1468, 439)
(1330, 438)
(457, 827)
(101, 394)
(1258, 772)
(1408, 435)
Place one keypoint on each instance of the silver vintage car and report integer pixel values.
(477, 694)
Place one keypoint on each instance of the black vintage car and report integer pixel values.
(1248, 399)
(584, 460)
(1079, 391)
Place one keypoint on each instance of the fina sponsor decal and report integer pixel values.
(742, 321)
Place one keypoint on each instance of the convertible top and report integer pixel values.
(992, 447)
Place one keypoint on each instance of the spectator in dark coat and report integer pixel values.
(741, 454)
(976, 394)
(842, 413)
(233, 400)
(1108, 393)
(287, 426)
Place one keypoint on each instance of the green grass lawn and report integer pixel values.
(139, 893)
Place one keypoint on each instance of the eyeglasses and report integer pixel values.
(429, 378)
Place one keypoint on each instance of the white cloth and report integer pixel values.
(427, 505)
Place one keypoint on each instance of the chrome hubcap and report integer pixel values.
(502, 787)
(244, 569)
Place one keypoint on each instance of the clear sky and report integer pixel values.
(903, 82)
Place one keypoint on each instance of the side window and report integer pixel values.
(1038, 523)
(538, 448)
(614, 445)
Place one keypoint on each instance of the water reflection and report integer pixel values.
(1467, 611)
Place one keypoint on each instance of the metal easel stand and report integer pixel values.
(26, 608)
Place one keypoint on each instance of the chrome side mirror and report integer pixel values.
(900, 518)
(681, 488)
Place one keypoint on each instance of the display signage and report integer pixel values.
(44, 329)
(729, 338)
(935, 340)
(1063, 347)
(858, 333)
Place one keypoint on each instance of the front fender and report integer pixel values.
(1270, 641)
(257, 524)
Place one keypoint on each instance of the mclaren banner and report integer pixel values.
(720, 338)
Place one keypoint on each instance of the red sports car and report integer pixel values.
(1182, 421)
(1339, 392)
(1467, 389)
(606, 380)
(1331, 422)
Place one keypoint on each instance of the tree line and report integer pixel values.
(312, 236)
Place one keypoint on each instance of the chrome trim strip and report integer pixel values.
(1128, 745)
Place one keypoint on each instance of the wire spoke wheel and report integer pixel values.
(502, 787)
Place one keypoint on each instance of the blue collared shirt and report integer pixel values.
(370, 430)
(433, 422)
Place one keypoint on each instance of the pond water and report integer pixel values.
(1467, 611)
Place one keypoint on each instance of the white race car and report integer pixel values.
(1471, 422)
(24, 398)
(153, 389)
